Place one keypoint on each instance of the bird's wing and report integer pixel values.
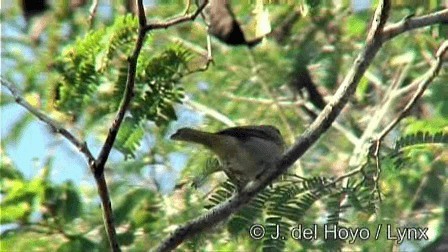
(243, 133)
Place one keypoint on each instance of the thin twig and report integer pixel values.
(206, 54)
(128, 93)
(392, 31)
(338, 126)
(97, 165)
(56, 127)
(100, 162)
(375, 120)
(281, 102)
(376, 178)
(82, 146)
(92, 11)
(176, 20)
(429, 77)
(113, 131)
(408, 88)
(187, 9)
(130, 81)
(265, 87)
(347, 175)
(210, 112)
(311, 135)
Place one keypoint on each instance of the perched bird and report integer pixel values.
(244, 152)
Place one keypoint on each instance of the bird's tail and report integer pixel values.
(195, 136)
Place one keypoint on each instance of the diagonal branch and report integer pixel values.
(412, 23)
(97, 165)
(311, 135)
(427, 79)
(80, 145)
(389, 32)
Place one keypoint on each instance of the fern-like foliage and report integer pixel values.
(93, 74)
(335, 208)
(399, 157)
(421, 138)
(221, 194)
(247, 216)
(244, 218)
(79, 77)
(361, 198)
(279, 207)
(288, 205)
(200, 176)
(129, 138)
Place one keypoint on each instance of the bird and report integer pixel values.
(244, 152)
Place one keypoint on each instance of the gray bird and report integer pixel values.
(244, 152)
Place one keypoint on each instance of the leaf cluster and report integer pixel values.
(94, 72)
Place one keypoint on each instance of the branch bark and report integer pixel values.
(80, 145)
(177, 20)
(376, 37)
(97, 165)
(308, 138)
(412, 23)
(423, 85)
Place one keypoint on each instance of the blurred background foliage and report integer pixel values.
(75, 71)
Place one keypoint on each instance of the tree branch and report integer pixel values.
(130, 81)
(127, 96)
(82, 147)
(92, 11)
(176, 20)
(412, 23)
(374, 41)
(97, 165)
(284, 102)
(210, 112)
(376, 118)
(56, 127)
(308, 138)
(427, 79)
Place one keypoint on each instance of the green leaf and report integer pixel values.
(15, 213)
(128, 202)
(72, 205)
(29, 241)
(356, 24)
(129, 137)
(421, 138)
(431, 126)
(8, 171)
(78, 244)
